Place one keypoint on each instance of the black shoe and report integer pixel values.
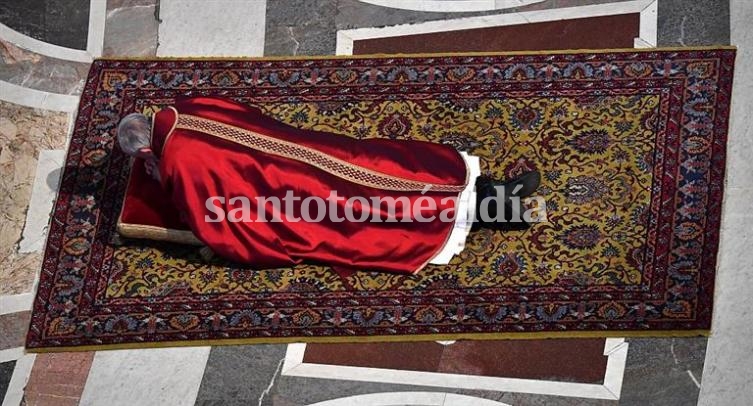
(520, 187)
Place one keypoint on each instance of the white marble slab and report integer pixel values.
(96, 33)
(410, 399)
(16, 303)
(11, 354)
(39, 99)
(740, 143)
(451, 6)
(43, 195)
(212, 28)
(144, 377)
(727, 377)
(729, 356)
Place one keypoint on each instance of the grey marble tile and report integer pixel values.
(239, 375)
(698, 22)
(307, 40)
(536, 400)
(6, 371)
(300, 27)
(663, 371)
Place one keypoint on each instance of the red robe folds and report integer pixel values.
(212, 147)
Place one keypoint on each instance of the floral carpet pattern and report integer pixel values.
(631, 147)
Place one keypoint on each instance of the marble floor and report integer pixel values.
(45, 49)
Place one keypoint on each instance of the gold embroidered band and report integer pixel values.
(335, 166)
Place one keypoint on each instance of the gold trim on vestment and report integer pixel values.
(169, 133)
(323, 161)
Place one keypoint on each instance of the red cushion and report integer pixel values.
(148, 212)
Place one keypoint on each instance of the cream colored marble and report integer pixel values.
(212, 28)
(44, 191)
(23, 133)
(727, 378)
(160, 377)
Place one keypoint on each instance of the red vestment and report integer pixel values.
(212, 147)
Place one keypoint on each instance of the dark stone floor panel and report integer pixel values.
(59, 22)
(67, 23)
(24, 16)
(658, 371)
(239, 375)
(697, 22)
(6, 372)
(300, 27)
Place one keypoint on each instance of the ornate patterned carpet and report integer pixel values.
(631, 146)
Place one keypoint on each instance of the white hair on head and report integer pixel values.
(134, 133)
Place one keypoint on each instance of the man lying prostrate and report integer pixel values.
(259, 192)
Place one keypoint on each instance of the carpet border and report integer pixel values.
(377, 339)
(399, 338)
